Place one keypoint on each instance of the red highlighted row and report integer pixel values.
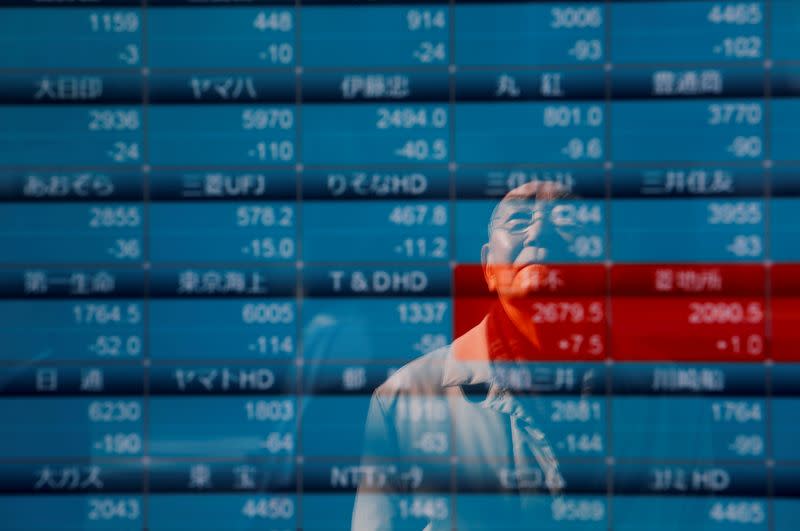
(704, 313)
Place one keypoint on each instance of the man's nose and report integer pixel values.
(533, 233)
(533, 248)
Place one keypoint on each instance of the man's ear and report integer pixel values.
(488, 268)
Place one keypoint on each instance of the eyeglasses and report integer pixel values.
(518, 219)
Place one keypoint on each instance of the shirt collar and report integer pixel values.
(469, 362)
(471, 358)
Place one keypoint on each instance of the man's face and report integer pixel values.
(526, 225)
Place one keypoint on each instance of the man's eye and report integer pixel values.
(517, 226)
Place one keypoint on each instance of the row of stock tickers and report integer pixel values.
(225, 224)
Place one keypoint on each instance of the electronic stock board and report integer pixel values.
(224, 224)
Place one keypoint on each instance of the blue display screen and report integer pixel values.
(248, 248)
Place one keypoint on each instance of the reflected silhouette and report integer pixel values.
(472, 399)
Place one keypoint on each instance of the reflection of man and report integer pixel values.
(472, 410)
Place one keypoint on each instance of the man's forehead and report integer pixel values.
(535, 191)
(528, 198)
(509, 207)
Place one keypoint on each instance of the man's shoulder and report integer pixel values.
(420, 376)
(430, 374)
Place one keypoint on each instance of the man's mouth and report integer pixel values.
(524, 279)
